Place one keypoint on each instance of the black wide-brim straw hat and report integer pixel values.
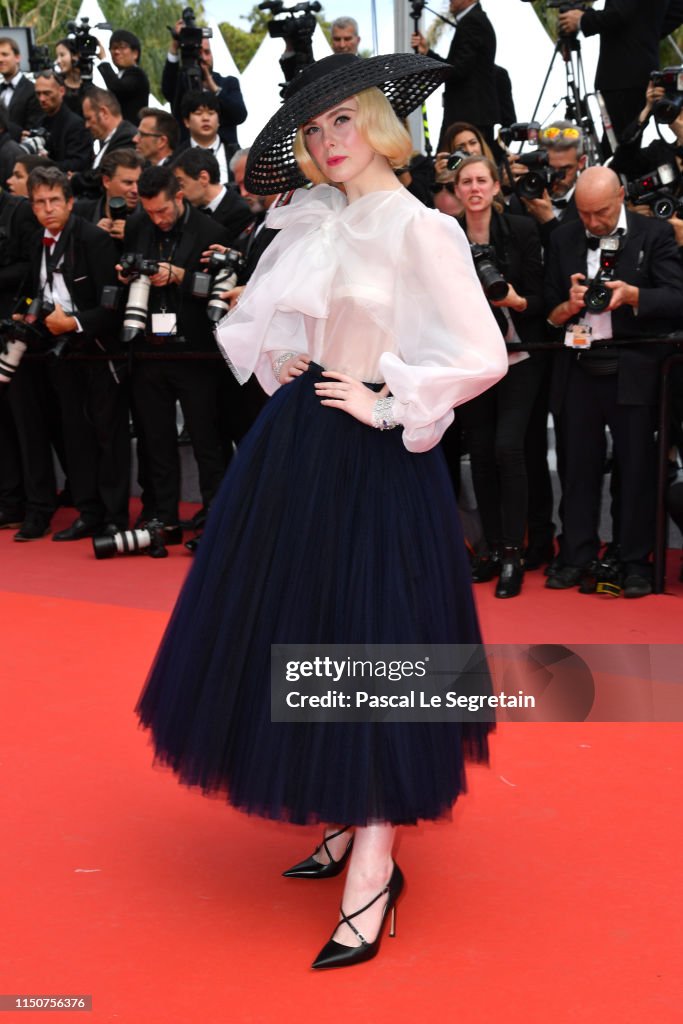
(405, 78)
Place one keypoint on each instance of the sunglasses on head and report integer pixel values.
(553, 134)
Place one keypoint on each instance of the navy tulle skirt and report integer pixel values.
(324, 531)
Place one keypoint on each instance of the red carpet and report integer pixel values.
(553, 896)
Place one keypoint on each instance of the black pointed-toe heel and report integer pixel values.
(334, 954)
(312, 868)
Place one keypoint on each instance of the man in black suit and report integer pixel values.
(226, 89)
(563, 141)
(128, 82)
(201, 116)
(157, 136)
(71, 262)
(69, 143)
(104, 120)
(175, 235)
(16, 92)
(120, 172)
(629, 32)
(197, 172)
(617, 387)
(470, 93)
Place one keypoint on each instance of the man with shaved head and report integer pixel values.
(635, 259)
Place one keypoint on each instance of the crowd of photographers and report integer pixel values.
(125, 230)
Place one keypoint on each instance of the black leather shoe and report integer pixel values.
(10, 520)
(192, 544)
(110, 530)
(334, 954)
(566, 577)
(485, 567)
(637, 586)
(79, 530)
(312, 868)
(511, 574)
(32, 528)
(172, 534)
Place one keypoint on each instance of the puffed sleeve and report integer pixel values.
(450, 347)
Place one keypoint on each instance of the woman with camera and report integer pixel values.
(66, 63)
(461, 137)
(495, 423)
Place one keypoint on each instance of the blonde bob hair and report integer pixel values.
(378, 126)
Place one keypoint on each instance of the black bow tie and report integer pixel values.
(592, 242)
(560, 204)
(5, 85)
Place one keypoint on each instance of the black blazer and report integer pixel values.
(88, 183)
(131, 89)
(518, 248)
(17, 228)
(70, 144)
(649, 259)
(630, 31)
(232, 109)
(24, 110)
(233, 214)
(470, 94)
(197, 232)
(90, 258)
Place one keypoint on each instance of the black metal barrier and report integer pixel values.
(659, 558)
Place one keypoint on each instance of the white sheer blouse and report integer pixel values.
(383, 289)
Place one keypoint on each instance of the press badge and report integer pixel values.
(164, 324)
(578, 336)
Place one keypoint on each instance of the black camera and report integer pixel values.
(223, 272)
(40, 59)
(133, 264)
(118, 208)
(539, 178)
(36, 142)
(85, 44)
(296, 28)
(454, 160)
(598, 296)
(666, 110)
(149, 541)
(486, 265)
(655, 190)
(189, 40)
(521, 131)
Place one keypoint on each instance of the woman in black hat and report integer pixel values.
(332, 527)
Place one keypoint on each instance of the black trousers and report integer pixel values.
(157, 385)
(93, 421)
(590, 403)
(12, 499)
(238, 407)
(495, 426)
(623, 106)
(541, 528)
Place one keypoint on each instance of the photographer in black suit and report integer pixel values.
(617, 387)
(174, 235)
(17, 93)
(226, 89)
(629, 32)
(471, 93)
(69, 143)
(71, 262)
(126, 79)
(197, 171)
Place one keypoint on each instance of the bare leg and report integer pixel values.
(336, 846)
(369, 871)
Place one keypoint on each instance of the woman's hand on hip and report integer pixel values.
(340, 391)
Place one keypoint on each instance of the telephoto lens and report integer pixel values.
(130, 542)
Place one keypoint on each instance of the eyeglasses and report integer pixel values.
(439, 186)
(147, 135)
(554, 134)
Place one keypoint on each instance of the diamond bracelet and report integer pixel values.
(383, 414)
(280, 362)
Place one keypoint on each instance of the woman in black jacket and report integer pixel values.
(495, 423)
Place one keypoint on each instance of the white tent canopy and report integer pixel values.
(222, 58)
